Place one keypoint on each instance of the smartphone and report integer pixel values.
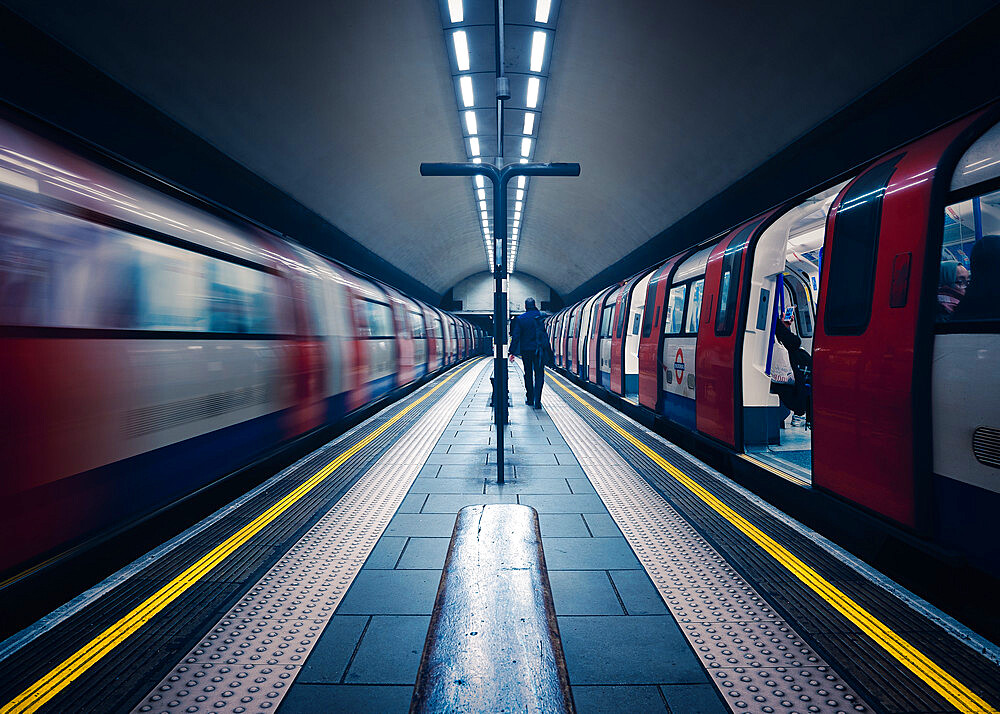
(788, 315)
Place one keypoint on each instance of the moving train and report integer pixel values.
(890, 281)
(151, 344)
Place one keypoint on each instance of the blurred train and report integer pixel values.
(152, 344)
(890, 280)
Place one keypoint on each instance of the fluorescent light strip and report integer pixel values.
(517, 208)
(458, 14)
(468, 99)
(474, 145)
(481, 193)
(525, 146)
(537, 49)
(542, 9)
(480, 181)
(470, 123)
(521, 181)
(482, 206)
(519, 194)
(477, 160)
(532, 97)
(484, 216)
(529, 123)
(462, 51)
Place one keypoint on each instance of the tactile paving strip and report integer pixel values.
(247, 661)
(757, 661)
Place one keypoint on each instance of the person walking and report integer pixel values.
(528, 340)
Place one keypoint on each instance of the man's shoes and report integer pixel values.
(536, 406)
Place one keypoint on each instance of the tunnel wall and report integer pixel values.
(476, 292)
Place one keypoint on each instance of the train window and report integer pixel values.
(378, 316)
(673, 318)
(417, 325)
(694, 307)
(969, 282)
(729, 282)
(636, 322)
(854, 253)
(648, 321)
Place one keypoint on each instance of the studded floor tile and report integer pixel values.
(757, 662)
(247, 661)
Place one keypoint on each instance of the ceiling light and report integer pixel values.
(457, 13)
(519, 194)
(525, 146)
(524, 161)
(462, 51)
(517, 208)
(532, 98)
(521, 181)
(470, 123)
(529, 123)
(477, 160)
(481, 193)
(474, 145)
(537, 49)
(541, 11)
(517, 215)
(484, 215)
(486, 223)
(479, 181)
(466, 84)
(482, 206)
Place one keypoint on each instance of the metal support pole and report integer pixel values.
(500, 179)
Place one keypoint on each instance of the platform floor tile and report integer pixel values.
(424, 554)
(311, 698)
(328, 661)
(386, 553)
(693, 699)
(453, 502)
(390, 651)
(590, 554)
(391, 592)
(638, 593)
(617, 699)
(573, 503)
(428, 525)
(562, 525)
(584, 592)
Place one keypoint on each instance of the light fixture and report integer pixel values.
(529, 123)
(541, 11)
(519, 194)
(462, 51)
(521, 181)
(474, 145)
(477, 160)
(517, 215)
(485, 216)
(537, 49)
(480, 181)
(517, 208)
(525, 146)
(470, 123)
(466, 84)
(481, 192)
(532, 98)
(482, 206)
(486, 223)
(524, 161)
(458, 14)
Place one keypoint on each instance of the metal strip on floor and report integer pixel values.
(247, 661)
(757, 661)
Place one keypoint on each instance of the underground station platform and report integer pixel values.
(388, 571)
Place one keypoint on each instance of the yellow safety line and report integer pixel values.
(32, 698)
(960, 696)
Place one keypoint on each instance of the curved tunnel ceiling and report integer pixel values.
(664, 104)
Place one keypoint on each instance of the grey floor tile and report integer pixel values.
(581, 485)
(615, 700)
(602, 525)
(424, 554)
(447, 485)
(332, 653)
(453, 502)
(577, 503)
(628, 650)
(462, 459)
(429, 471)
(391, 592)
(530, 471)
(386, 552)
(481, 472)
(583, 592)
(562, 525)
(590, 554)
(421, 525)
(524, 455)
(556, 486)
(567, 459)
(390, 651)
(312, 698)
(412, 502)
(638, 592)
(544, 448)
(471, 448)
(693, 698)
(469, 437)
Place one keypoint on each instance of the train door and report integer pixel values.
(618, 338)
(681, 318)
(870, 382)
(593, 338)
(404, 339)
(778, 333)
(637, 305)
(650, 341)
(418, 332)
(567, 339)
(608, 311)
(583, 337)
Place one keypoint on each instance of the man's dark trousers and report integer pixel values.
(534, 376)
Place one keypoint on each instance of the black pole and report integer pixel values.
(500, 179)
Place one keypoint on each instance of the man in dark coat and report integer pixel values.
(528, 339)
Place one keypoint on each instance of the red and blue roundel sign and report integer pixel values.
(679, 365)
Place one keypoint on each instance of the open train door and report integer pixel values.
(651, 338)
(870, 381)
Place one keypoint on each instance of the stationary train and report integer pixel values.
(151, 344)
(903, 389)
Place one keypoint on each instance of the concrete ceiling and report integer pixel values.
(664, 103)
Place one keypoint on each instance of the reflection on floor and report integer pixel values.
(793, 455)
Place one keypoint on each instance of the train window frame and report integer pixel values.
(668, 313)
(852, 261)
(654, 280)
(700, 283)
(730, 281)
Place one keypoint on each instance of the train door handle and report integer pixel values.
(900, 280)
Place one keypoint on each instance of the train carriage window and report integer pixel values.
(637, 321)
(673, 318)
(969, 275)
(729, 282)
(417, 325)
(378, 317)
(694, 307)
(854, 252)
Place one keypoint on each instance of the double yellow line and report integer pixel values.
(960, 696)
(36, 695)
